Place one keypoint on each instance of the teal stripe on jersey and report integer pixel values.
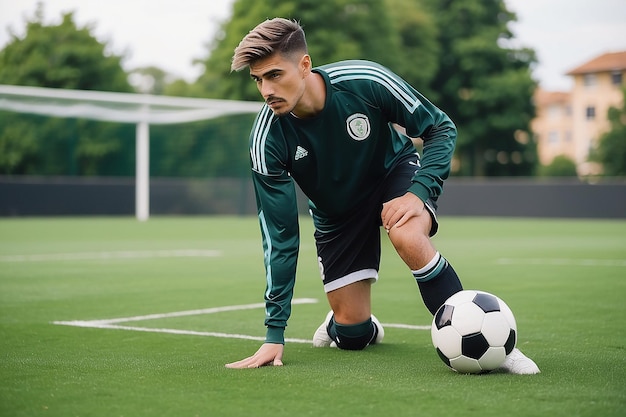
(267, 240)
(261, 129)
(399, 90)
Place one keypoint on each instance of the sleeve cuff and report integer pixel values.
(420, 190)
(275, 335)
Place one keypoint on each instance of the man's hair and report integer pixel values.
(277, 35)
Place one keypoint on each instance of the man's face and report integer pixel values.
(280, 81)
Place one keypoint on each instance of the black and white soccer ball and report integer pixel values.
(473, 331)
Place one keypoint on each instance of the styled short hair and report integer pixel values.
(277, 35)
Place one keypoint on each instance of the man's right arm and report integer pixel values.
(278, 220)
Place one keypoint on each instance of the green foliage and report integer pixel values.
(61, 56)
(561, 166)
(611, 150)
(418, 43)
(18, 144)
(336, 30)
(210, 148)
(485, 86)
(37, 145)
(454, 52)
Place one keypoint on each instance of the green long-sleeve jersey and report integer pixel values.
(337, 158)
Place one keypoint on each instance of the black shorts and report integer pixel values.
(350, 252)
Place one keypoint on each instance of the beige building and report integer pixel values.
(570, 123)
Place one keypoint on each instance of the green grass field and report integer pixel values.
(564, 279)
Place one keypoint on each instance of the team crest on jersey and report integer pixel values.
(358, 126)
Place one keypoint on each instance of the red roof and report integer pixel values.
(611, 61)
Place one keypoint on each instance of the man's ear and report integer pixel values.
(305, 65)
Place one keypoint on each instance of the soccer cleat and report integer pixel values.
(518, 363)
(322, 339)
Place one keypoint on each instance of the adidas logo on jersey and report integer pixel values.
(301, 153)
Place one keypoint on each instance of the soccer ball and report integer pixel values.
(473, 331)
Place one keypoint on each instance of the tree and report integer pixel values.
(150, 80)
(485, 86)
(336, 30)
(611, 150)
(457, 53)
(60, 56)
(209, 148)
(418, 43)
(561, 166)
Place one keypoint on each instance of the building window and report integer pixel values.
(590, 80)
(568, 110)
(554, 111)
(591, 113)
(553, 137)
(616, 78)
(568, 136)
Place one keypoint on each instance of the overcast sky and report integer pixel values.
(170, 34)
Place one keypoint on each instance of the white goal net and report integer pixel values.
(142, 110)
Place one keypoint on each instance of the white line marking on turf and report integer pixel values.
(562, 262)
(108, 323)
(212, 310)
(405, 326)
(94, 325)
(91, 256)
(112, 323)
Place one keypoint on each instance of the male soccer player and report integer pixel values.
(331, 129)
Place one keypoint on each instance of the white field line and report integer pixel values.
(171, 331)
(111, 323)
(212, 310)
(91, 256)
(405, 326)
(562, 262)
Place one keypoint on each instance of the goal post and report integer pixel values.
(142, 110)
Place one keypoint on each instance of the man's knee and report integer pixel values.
(352, 304)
